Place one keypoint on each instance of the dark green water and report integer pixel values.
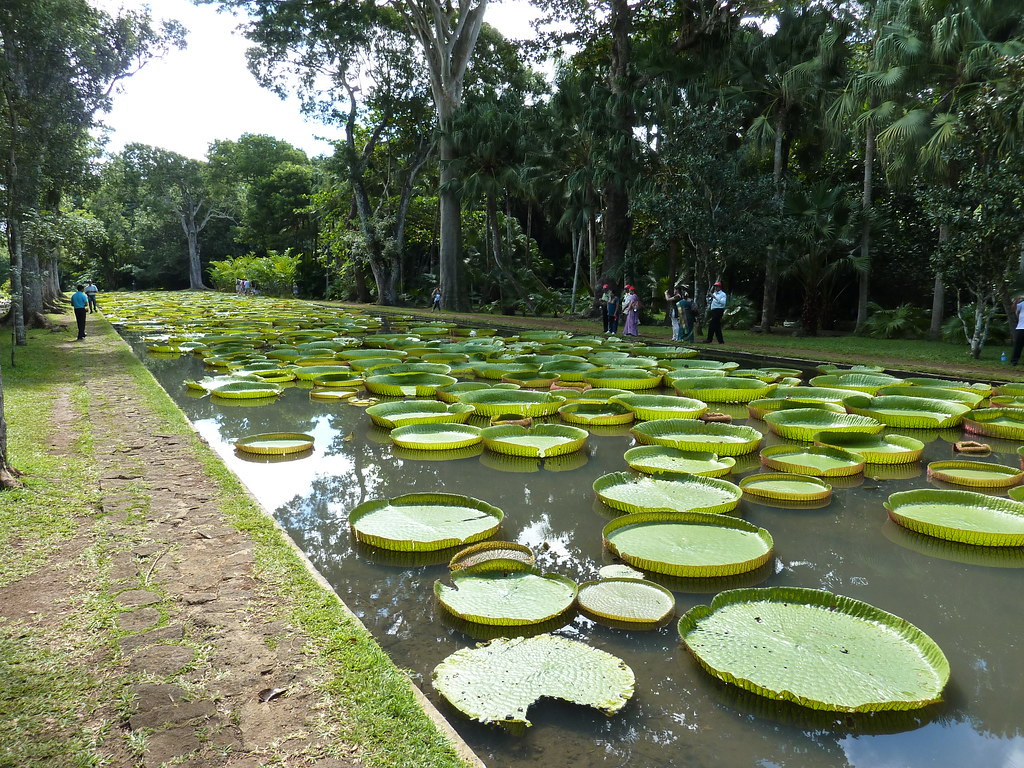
(969, 600)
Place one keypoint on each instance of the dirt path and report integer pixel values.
(208, 668)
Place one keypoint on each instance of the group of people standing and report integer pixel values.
(83, 301)
(245, 287)
(684, 313)
(628, 307)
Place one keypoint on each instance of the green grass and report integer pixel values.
(368, 702)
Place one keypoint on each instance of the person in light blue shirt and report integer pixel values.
(80, 302)
(718, 300)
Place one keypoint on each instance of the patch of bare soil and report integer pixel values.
(215, 675)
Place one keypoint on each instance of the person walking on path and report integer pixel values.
(672, 298)
(687, 309)
(435, 299)
(1018, 332)
(90, 292)
(80, 302)
(718, 298)
(606, 297)
(631, 309)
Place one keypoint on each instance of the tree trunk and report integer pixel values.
(7, 473)
(450, 214)
(195, 268)
(17, 292)
(771, 264)
(938, 294)
(865, 227)
(618, 224)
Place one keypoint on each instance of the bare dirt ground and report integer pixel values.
(199, 637)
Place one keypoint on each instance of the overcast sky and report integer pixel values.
(189, 98)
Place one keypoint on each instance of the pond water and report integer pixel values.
(968, 599)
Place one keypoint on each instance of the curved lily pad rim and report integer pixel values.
(586, 586)
(417, 499)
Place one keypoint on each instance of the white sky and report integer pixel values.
(205, 92)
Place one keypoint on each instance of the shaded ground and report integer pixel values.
(202, 665)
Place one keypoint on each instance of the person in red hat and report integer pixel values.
(717, 300)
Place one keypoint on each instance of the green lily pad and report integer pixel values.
(674, 492)
(540, 440)
(815, 649)
(818, 394)
(963, 516)
(819, 461)
(411, 384)
(507, 598)
(862, 382)
(695, 435)
(976, 474)
(1007, 423)
(656, 459)
(973, 399)
(648, 407)
(399, 414)
(436, 437)
(494, 402)
(631, 379)
(275, 443)
(876, 449)
(636, 602)
(605, 414)
(688, 544)
(492, 556)
(423, 522)
(719, 389)
(805, 423)
(245, 390)
(497, 682)
(909, 412)
(967, 386)
(786, 487)
(757, 409)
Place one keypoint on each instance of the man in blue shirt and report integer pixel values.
(80, 302)
(718, 299)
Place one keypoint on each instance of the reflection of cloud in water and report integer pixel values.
(952, 744)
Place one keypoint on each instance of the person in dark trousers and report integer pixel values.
(1018, 332)
(81, 303)
(90, 291)
(717, 299)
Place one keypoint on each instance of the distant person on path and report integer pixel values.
(1018, 333)
(717, 299)
(80, 302)
(90, 291)
(613, 312)
(687, 309)
(672, 298)
(631, 309)
(435, 299)
(606, 297)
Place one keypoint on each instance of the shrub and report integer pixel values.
(273, 274)
(740, 313)
(903, 322)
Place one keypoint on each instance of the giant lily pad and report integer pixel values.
(876, 449)
(657, 459)
(623, 378)
(805, 423)
(648, 407)
(412, 384)
(568, 370)
(540, 440)
(1007, 423)
(786, 487)
(976, 474)
(497, 682)
(862, 382)
(815, 649)
(816, 394)
(978, 387)
(688, 544)
(719, 389)
(909, 412)
(424, 522)
(674, 492)
(973, 399)
(693, 435)
(819, 461)
(495, 402)
(515, 597)
(963, 516)
(589, 413)
(245, 390)
(636, 602)
(403, 412)
(436, 437)
(492, 556)
(275, 443)
(756, 409)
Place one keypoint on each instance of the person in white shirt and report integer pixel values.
(718, 299)
(1018, 332)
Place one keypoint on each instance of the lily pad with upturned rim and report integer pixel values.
(1007, 423)
(412, 384)
(876, 449)
(497, 682)
(657, 459)
(494, 402)
(805, 423)
(404, 412)
(604, 414)
(786, 487)
(510, 598)
(757, 409)
(963, 516)
(275, 443)
(695, 435)
(630, 379)
(909, 412)
(672, 492)
(967, 397)
(492, 555)
(815, 649)
(818, 461)
(540, 440)
(976, 474)
(436, 437)
(688, 544)
(650, 407)
(424, 522)
(636, 602)
(245, 390)
(718, 389)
